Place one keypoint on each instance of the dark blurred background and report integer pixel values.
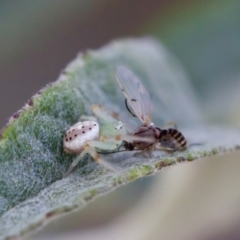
(38, 39)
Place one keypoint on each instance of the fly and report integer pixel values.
(137, 97)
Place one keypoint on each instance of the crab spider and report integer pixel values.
(86, 137)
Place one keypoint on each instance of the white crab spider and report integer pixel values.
(85, 136)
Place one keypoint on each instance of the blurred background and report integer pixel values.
(38, 39)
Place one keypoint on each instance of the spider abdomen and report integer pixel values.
(77, 135)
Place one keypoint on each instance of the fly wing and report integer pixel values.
(136, 94)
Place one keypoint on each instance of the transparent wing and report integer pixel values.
(136, 94)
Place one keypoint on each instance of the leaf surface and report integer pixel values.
(32, 161)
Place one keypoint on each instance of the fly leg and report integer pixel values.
(172, 123)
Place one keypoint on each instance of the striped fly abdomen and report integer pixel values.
(173, 139)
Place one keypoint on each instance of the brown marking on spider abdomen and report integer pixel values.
(78, 135)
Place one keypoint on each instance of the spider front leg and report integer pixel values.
(119, 139)
(87, 118)
(104, 114)
(90, 148)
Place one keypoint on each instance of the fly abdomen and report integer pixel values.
(174, 132)
(173, 139)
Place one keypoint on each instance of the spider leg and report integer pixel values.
(128, 138)
(103, 145)
(98, 159)
(89, 148)
(87, 118)
(74, 163)
(104, 114)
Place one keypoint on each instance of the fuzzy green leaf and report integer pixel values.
(32, 161)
